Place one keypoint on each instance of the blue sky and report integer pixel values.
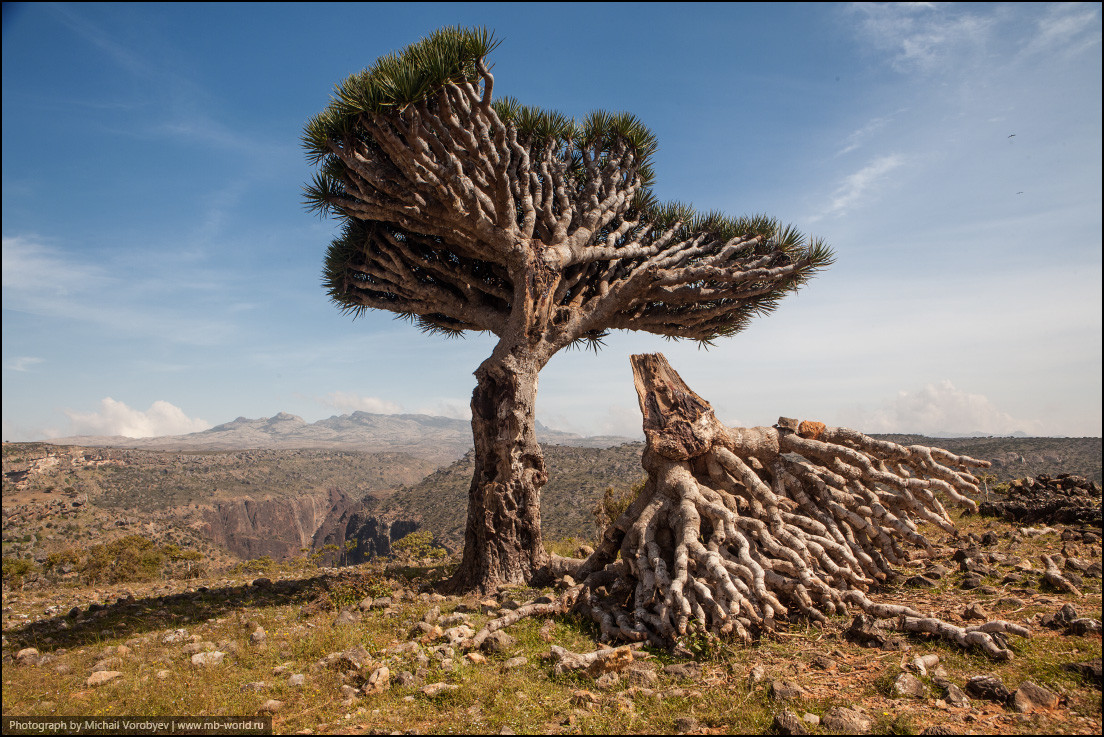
(161, 276)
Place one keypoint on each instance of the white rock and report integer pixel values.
(208, 659)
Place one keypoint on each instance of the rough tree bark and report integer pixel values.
(502, 539)
(738, 529)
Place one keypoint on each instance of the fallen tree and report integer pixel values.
(737, 529)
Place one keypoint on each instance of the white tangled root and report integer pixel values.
(739, 528)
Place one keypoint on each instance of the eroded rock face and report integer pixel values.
(281, 528)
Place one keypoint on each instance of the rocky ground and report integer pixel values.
(372, 649)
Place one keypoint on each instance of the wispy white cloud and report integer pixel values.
(937, 409)
(116, 418)
(857, 188)
(22, 363)
(860, 136)
(349, 402)
(1066, 29)
(41, 279)
(922, 36)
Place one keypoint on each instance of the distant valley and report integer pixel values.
(279, 486)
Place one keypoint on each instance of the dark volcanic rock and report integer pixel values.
(988, 687)
(1064, 499)
(786, 722)
(863, 631)
(1089, 670)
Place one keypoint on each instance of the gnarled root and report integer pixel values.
(738, 528)
(1053, 576)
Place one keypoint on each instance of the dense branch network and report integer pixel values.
(464, 212)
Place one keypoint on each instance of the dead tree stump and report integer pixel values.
(739, 528)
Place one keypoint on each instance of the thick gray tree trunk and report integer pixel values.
(502, 540)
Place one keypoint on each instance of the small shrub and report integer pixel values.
(16, 570)
(418, 545)
(613, 504)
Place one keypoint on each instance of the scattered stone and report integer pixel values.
(432, 615)
(28, 656)
(989, 687)
(514, 663)
(423, 629)
(641, 675)
(823, 662)
(989, 539)
(348, 695)
(970, 581)
(921, 582)
(865, 632)
(258, 636)
(608, 681)
(1031, 697)
(1089, 670)
(457, 635)
(585, 698)
(107, 664)
(435, 689)
(297, 680)
(1011, 601)
(251, 686)
(174, 637)
(686, 724)
(497, 642)
(937, 571)
(907, 684)
(348, 615)
(63, 669)
(683, 670)
(476, 658)
(1062, 618)
(453, 619)
(204, 660)
(271, 706)
(976, 611)
(101, 677)
(383, 602)
(1084, 626)
(785, 690)
(811, 719)
(756, 675)
(845, 721)
(1065, 499)
(379, 681)
(955, 696)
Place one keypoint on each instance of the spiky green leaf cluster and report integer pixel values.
(399, 79)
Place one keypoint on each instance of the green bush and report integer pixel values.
(16, 570)
(613, 504)
(130, 558)
(417, 545)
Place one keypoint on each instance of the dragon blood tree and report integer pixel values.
(463, 212)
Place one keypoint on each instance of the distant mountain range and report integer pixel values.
(442, 439)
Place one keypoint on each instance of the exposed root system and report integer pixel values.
(738, 529)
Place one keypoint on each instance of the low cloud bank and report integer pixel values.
(116, 418)
(940, 409)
